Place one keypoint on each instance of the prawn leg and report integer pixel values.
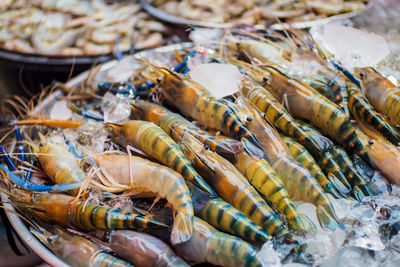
(28, 186)
(65, 124)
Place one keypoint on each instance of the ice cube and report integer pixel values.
(60, 110)
(115, 109)
(368, 238)
(350, 46)
(219, 79)
(321, 246)
(293, 264)
(202, 55)
(268, 256)
(339, 236)
(309, 210)
(350, 257)
(342, 206)
(122, 71)
(395, 190)
(205, 35)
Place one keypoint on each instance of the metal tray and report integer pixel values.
(19, 226)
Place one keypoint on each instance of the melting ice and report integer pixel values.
(352, 47)
(370, 236)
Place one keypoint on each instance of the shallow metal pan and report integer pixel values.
(19, 226)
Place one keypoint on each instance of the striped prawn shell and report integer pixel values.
(234, 188)
(354, 178)
(176, 126)
(232, 251)
(261, 175)
(215, 211)
(333, 86)
(276, 114)
(60, 209)
(383, 95)
(327, 162)
(225, 217)
(254, 207)
(103, 259)
(93, 216)
(212, 246)
(151, 139)
(362, 109)
(223, 117)
(196, 102)
(301, 154)
(316, 108)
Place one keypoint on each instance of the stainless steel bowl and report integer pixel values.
(19, 226)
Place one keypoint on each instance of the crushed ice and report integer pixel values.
(309, 210)
(219, 79)
(60, 110)
(370, 236)
(123, 70)
(268, 256)
(350, 46)
(115, 108)
(205, 35)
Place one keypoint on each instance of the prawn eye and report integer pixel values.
(158, 80)
(41, 144)
(265, 79)
(49, 239)
(249, 118)
(362, 74)
(371, 142)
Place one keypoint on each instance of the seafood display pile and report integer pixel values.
(257, 11)
(76, 28)
(258, 151)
